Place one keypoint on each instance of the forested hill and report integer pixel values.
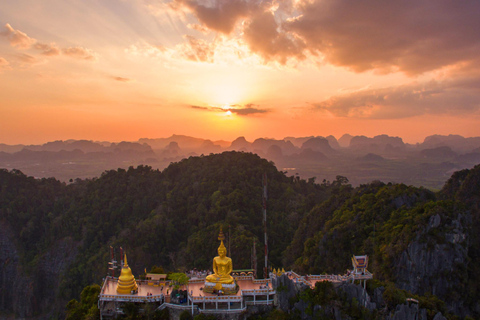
(55, 237)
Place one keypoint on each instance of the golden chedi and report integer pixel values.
(222, 267)
(126, 280)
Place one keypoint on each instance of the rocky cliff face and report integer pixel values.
(347, 295)
(28, 293)
(408, 312)
(436, 261)
(286, 290)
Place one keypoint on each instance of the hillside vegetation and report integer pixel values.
(56, 236)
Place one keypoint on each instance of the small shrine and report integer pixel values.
(221, 280)
(126, 280)
(360, 264)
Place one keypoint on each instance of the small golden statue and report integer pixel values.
(222, 267)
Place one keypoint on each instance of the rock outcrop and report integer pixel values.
(26, 293)
(408, 312)
(435, 262)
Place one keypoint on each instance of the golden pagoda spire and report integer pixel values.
(126, 280)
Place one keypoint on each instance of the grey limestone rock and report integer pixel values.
(435, 261)
(439, 316)
(285, 289)
(360, 294)
(408, 312)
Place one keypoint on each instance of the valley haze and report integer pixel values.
(360, 159)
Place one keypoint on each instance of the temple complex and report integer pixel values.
(224, 291)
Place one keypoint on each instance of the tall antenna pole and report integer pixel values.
(265, 270)
(229, 234)
(254, 259)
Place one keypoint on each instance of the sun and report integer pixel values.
(229, 113)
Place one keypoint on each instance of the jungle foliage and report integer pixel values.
(171, 218)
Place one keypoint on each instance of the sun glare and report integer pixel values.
(229, 113)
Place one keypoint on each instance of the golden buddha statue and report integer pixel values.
(126, 280)
(222, 266)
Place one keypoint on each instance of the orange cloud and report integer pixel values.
(121, 79)
(198, 50)
(48, 49)
(17, 38)
(26, 58)
(4, 64)
(80, 53)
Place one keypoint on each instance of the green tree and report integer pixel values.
(87, 307)
(178, 279)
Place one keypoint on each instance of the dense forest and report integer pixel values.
(56, 236)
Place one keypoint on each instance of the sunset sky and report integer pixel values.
(219, 69)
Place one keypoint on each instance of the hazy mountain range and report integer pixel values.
(359, 158)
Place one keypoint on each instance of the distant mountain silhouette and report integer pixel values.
(319, 145)
(344, 140)
(455, 142)
(312, 155)
(11, 149)
(371, 157)
(240, 144)
(440, 152)
(333, 142)
(69, 145)
(297, 142)
(262, 145)
(360, 158)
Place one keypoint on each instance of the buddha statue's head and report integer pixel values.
(222, 251)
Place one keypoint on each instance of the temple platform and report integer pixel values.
(251, 292)
(145, 292)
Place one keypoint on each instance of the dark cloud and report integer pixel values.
(79, 53)
(264, 37)
(202, 108)
(221, 16)
(121, 79)
(17, 38)
(412, 36)
(455, 97)
(47, 49)
(245, 110)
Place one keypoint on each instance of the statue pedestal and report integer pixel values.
(227, 289)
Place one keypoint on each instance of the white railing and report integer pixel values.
(258, 292)
(222, 310)
(129, 298)
(216, 298)
(176, 306)
(265, 302)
